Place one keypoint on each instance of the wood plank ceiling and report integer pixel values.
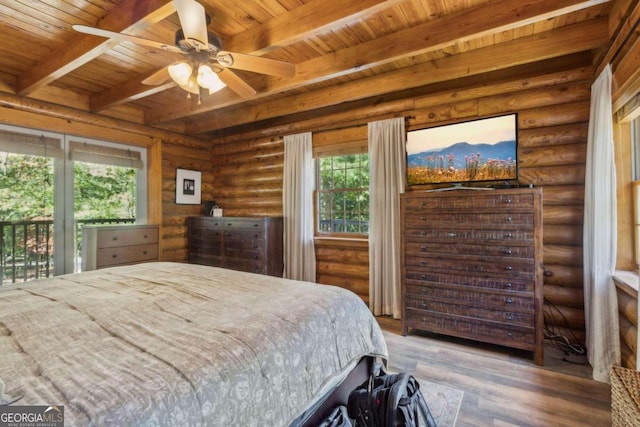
(344, 52)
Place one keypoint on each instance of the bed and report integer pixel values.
(180, 344)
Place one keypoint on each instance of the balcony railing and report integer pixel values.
(26, 247)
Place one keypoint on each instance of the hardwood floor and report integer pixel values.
(502, 387)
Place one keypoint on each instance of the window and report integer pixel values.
(343, 194)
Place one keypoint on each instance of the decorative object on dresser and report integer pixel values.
(238, 243)
(111, 245)
(472, 266)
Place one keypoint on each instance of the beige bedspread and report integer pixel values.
(178, 344)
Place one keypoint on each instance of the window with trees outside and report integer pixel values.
(343, 194)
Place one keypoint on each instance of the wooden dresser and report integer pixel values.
(238, 243)
(111, 245)
(472, 265)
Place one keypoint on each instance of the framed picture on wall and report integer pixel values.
(188, 185)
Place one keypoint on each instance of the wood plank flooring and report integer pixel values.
(503, 387)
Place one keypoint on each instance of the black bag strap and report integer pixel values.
(398, 389)
(426, 413)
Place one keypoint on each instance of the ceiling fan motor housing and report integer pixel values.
(187, 45)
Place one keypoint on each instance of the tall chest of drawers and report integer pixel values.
(238, 243)
(472, 265)
(114, 245)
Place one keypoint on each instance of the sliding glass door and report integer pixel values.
(50, 186)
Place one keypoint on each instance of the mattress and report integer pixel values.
(179, 344)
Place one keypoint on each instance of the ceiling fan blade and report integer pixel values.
(236, 84)
(257, 64)
(113, 35)
(193, 21)
(158, 77)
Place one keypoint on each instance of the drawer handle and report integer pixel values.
(115, 237)
(509, 334)
(508, 236)
(145, 236)
(114, 256)
(423, 277)
(256, 225)
(230, 224)
(451, 234)
(424, 233)
(423, 291)
(423, 218)
(508, 201)
(509, 285)
(423, 263)
(509, 268)
(144, 252)
(423, 248)
(508, 316)
(509, 300)
(424, 305)
(423, 203)
(508, 252)
(508, 219)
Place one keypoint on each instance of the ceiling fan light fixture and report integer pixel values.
(191, 86)
(180, 73)
(209, 79)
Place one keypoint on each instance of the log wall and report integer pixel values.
(174, 216)
(553, 113)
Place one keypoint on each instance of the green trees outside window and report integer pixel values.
(343, 194)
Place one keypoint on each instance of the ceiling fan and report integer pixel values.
(206, 68)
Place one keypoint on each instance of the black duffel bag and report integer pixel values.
(389, 400)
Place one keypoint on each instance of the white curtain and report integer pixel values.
(601, 307)
(297, 200)
(386, 170)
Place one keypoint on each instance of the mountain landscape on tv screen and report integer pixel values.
(461, 151)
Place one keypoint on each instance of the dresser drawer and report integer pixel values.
(500, 250)
(491, 236)
(471, 264)
(109, 238)
(467, 327)
(501, 316)
(248, 265)
(516, 284)
(244, 254)
(205, 258)
(460, 295)
(127, 255)
(470, 220)
(243, 223)
(474, 201)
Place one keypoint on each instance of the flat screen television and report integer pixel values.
(472, 151)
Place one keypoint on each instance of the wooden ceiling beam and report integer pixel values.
(129, 16)
(420, 39)
(552, 44)
(311, 19)
(126, 92)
